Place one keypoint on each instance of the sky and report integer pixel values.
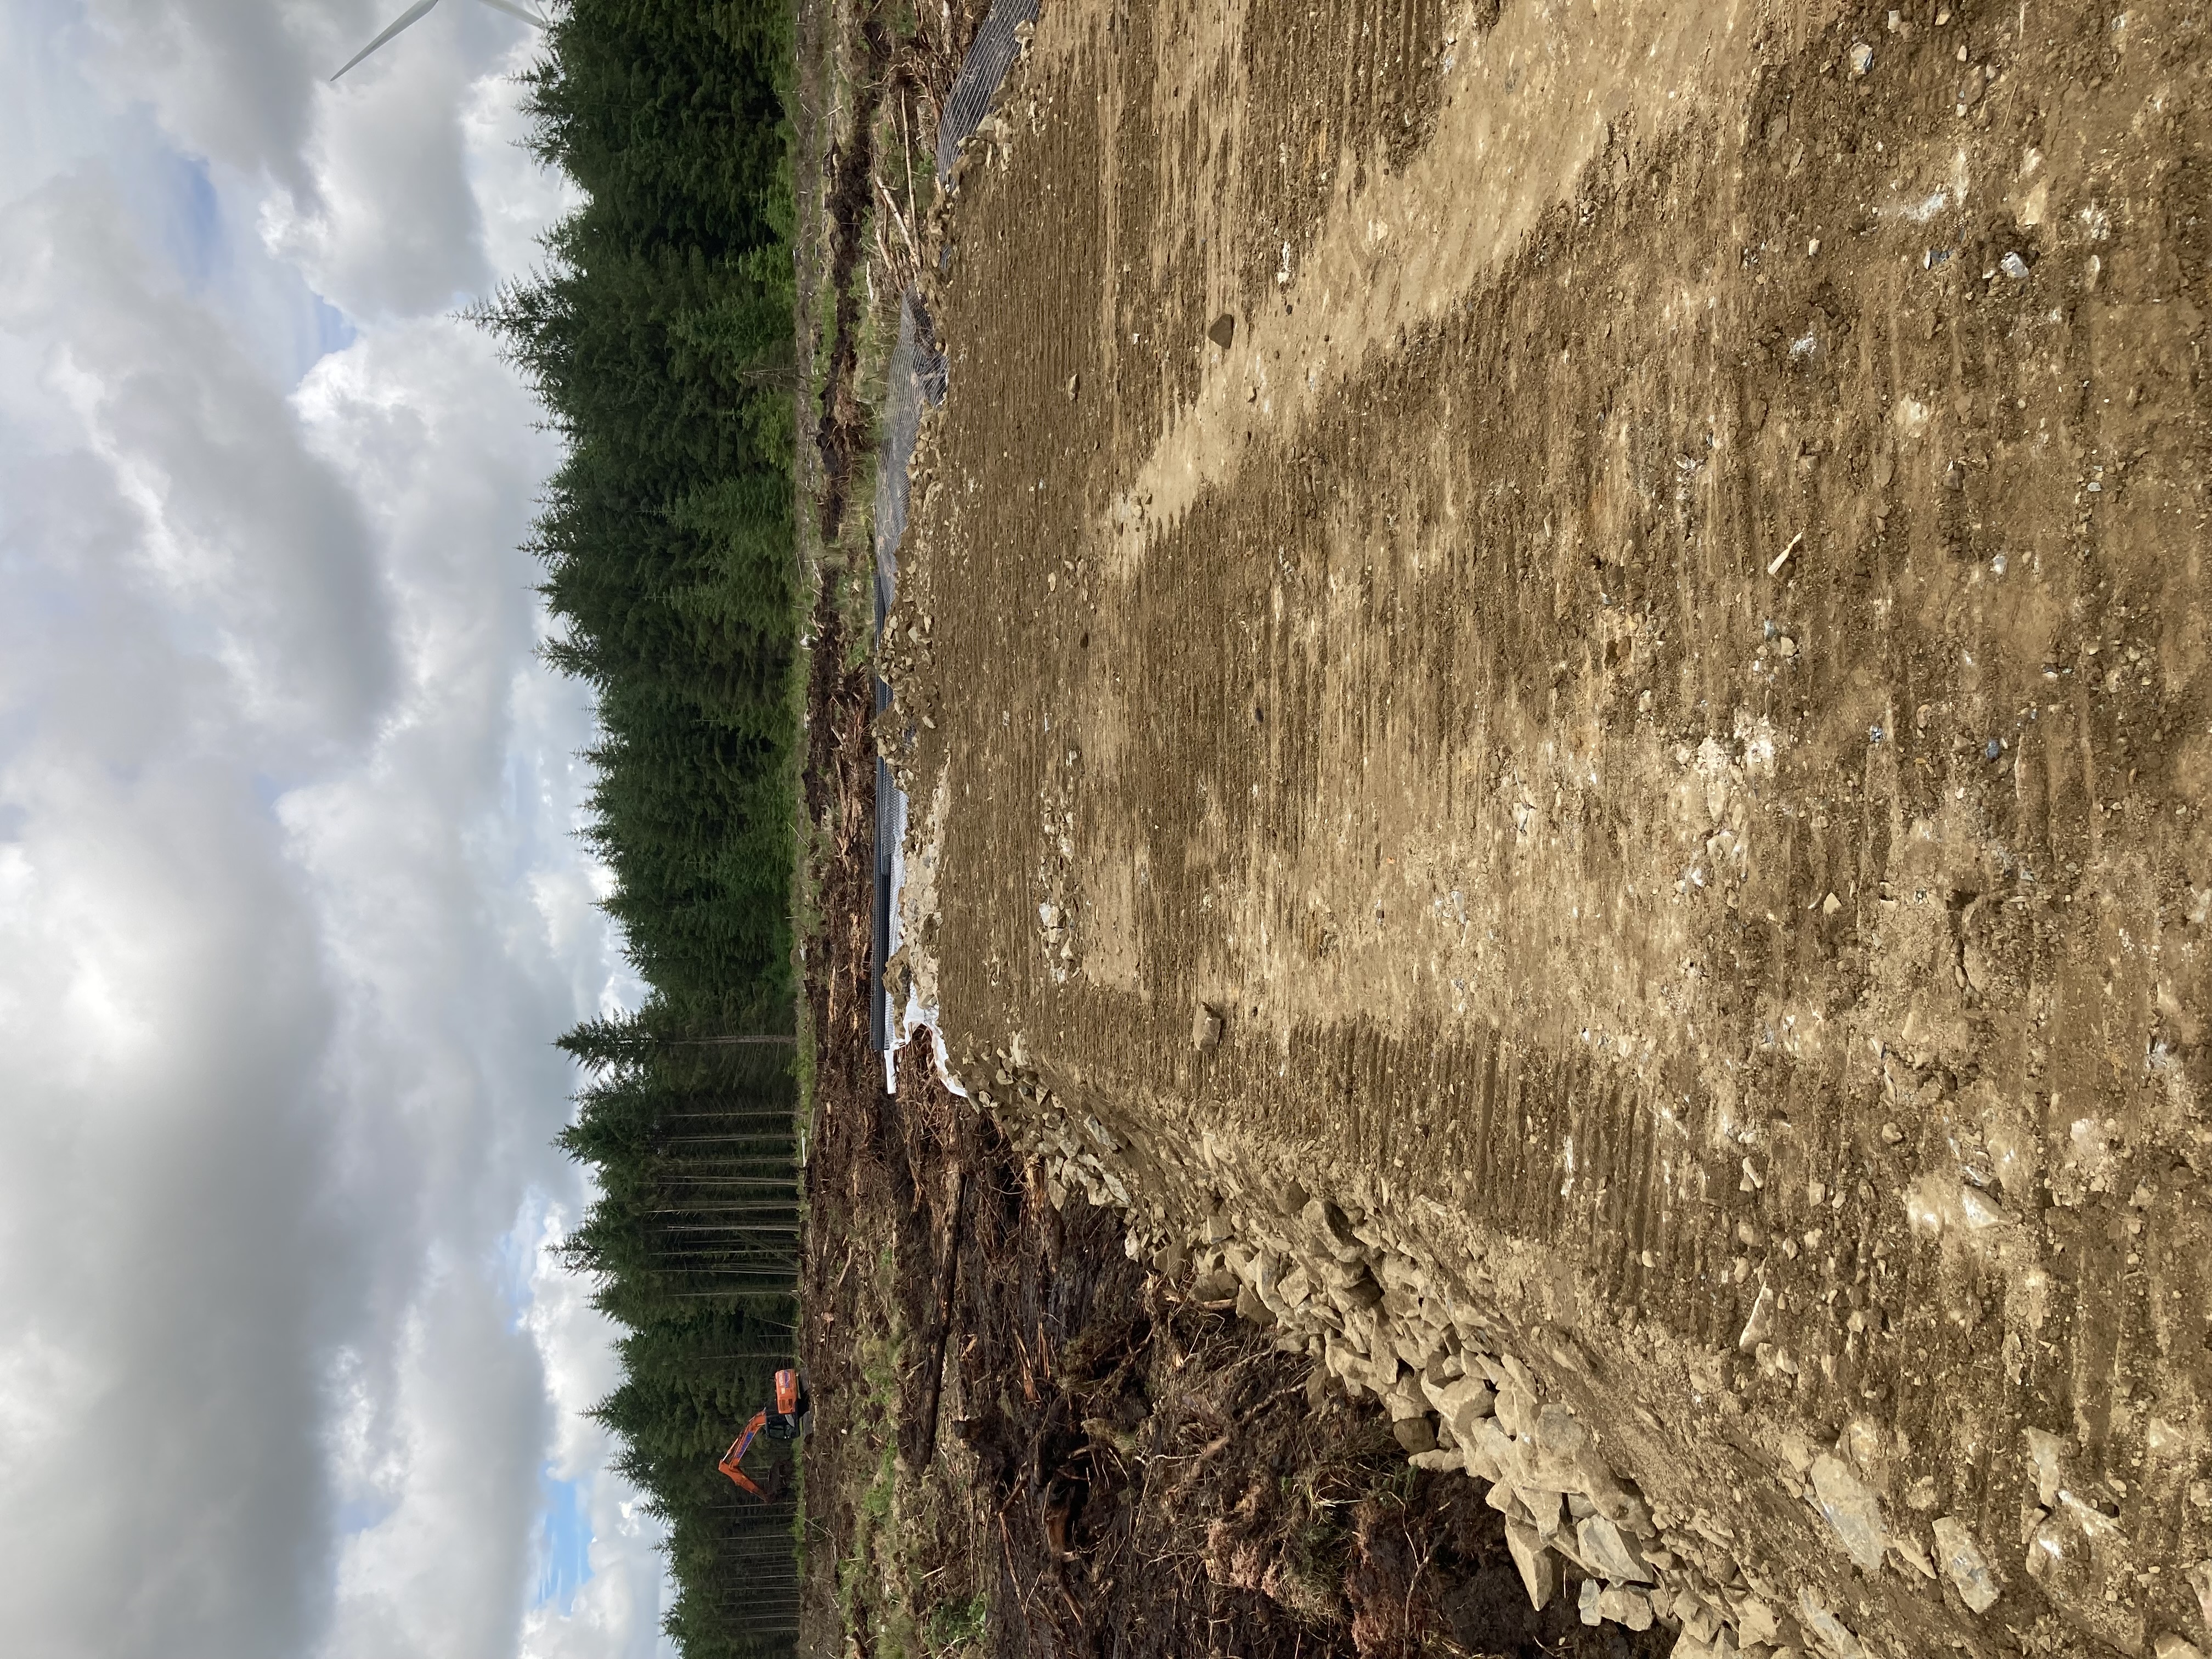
(291, 904)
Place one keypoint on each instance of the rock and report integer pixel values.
(1332, 1231)
(1437, 1460)
(1540, 1572)
(1219, 1285)
(1624, 1606)
(1851, 1510)
(1405, 1399)
(1415, 1434)
(1543, 1507)
(1761, 1324)
(1586, 1601)
(1981, 1211)
(2014, 266)
(2045, 1454)
(1516, 1409)
(1624, 1510)
(1223, 332)
(1831, 1632)
(2083, 1562)
(2170, 1646)
(1610, 1553)
(2200, 1580)
(1861, 58)
(1961, 1557)
(1480, 1453)
(1757, 1621)
(1502, 1496)
(1908, 1549)
(1250, 1307)
(1204, 1030)
(1558, 1433)
(1463, 1404)
(1699, 1620)
(1362, 1292)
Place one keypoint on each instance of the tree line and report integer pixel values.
(657, 334)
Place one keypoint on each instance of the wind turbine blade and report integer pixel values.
(413, 15)
(514, 10)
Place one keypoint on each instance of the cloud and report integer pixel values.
(291, 904)
(249, 543)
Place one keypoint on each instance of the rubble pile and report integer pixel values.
(1464, 1386)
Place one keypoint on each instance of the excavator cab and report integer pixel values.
(787, 1418)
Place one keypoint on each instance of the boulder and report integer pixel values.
(1624, 1606)
(1515, 1407)
(1464, 1404)
(1607, 1551)
(1558, 1433)
(1543, 1509)
(1414, 1435)
(1540, 1573)
(1851, 1510)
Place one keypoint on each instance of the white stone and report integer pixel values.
(1624, 1606)
(1557, 1432)
(1405, 1399)
(1463, 1404)
(1851, 1510)
(2045, 1454)
(1477, 1461)
(1908, 1549)
(1961, 1557)
(1516, 1408)
(1602, 1545)
(1831, 1632)
(1540, 1573)
(1757, 1620)
(1699, 1619)
(1543, 1508)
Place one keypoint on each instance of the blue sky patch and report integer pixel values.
(565, 1540)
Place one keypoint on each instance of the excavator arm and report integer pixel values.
(736, 1454)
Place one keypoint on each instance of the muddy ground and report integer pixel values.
(1027, 1440)
(1615, 590)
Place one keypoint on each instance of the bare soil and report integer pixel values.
(1657, 684)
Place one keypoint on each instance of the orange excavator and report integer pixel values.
(786, 1420)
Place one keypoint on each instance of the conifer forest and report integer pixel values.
(657, 334)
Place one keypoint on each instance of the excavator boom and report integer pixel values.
(736, 1454)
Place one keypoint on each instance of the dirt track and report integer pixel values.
(1658, 685)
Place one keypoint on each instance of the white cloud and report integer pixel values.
(289, 904)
